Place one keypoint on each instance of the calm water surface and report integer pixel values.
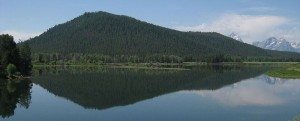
(202, 93)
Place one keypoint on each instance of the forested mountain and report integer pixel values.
(120, 36)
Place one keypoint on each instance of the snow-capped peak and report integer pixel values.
(235, 36)
(280, 44)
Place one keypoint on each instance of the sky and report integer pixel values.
(253, 20)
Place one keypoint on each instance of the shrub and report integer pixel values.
(11, 69)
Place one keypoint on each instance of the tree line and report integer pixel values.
(80, 58)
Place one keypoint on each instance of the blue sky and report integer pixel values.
(253, 20)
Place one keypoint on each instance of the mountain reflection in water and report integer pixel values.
(106, 88)
(201, 93)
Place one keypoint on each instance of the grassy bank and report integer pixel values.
(173, 66)
(185, 64)
(292, 71)
(280, 69)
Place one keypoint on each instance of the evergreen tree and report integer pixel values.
(9, 52)
(25, 56)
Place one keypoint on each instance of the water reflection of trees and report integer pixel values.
(105, 88)
(13, 93)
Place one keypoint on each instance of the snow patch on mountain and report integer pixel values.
(235, 36)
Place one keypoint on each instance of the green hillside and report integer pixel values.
(117, 36)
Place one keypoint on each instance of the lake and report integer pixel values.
(214, 93)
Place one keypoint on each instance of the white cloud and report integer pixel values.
(20, 35)
(292, 34)
(249, 27)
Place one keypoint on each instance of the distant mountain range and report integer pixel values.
(280, 44)
(272, 43)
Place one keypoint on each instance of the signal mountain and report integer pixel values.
(118, 38)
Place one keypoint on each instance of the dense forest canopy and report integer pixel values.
(116, 37)
(14, 58)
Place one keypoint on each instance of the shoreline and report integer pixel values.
(165, 64)
(170, 66)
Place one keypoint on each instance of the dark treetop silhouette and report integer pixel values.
(14, 56)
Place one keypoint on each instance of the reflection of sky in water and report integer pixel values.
(256, 99)
(258, 91)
